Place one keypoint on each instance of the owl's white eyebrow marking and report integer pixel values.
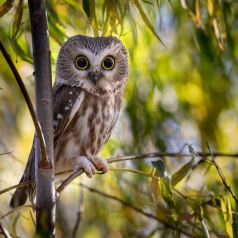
(59, 116)
(66, 108)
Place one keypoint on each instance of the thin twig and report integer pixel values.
(6, 153)
(79, 214)
(67, 181)
(139, 210)
(222, 176)
(16, 186)
(14, 210)
(4, 232)
(32, 219)
(28, 102)
(136, 171)
(167, 154)
(77, 173)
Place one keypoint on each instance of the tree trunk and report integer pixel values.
(44, 167)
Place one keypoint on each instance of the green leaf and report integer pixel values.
(106, 12)
(235, 224)
(160, 166)
(56, 27)
(199, 211)
(89, 9)
(74, 4)
(5, 7)
(205, 230)
(164, 185)
(56, 32)
(154, 190)
(53, 14)
(227, 214)
(20, 51)
(148, 2)
(186, 168)
(146, 20)
(86, 8)
(166, 192)
(93, 18)
(106, 23)
(17, 18)
(182, 172)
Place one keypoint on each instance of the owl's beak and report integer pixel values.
(95, 75)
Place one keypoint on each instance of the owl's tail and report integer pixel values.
(26, 185)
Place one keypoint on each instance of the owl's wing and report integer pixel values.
(66, 101)
(21, 194)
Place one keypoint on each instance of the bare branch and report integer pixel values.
(77, 173)
(16, 186)
(139, 210)
(14, 210)
(6, 153)
(222, 176)
(167, 154)
(27, 100)
(67, 181)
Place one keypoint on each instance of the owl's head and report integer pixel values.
(97, 64)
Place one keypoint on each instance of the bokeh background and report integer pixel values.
(181, 95)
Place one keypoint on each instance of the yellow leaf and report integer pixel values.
(217, 32)
(210, 7)
(5, 7)
(227, 214)
(154, 190)
(17, 18)
(198, 20)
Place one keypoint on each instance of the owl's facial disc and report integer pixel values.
(96, 64)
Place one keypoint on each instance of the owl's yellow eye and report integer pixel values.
(81, 62)
(108, 63)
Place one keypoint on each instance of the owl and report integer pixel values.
(91, 73)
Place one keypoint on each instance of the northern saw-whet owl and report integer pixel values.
(87, 96)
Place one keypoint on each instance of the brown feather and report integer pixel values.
(84, 113)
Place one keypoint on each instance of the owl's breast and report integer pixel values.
(89, 129)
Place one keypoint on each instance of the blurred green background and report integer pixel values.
(182, 91)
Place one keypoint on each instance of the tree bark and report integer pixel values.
(44, 166)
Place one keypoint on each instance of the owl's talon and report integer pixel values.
(99, 164)
(81, 162)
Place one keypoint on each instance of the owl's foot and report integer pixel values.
(99, 164)
(82, 162)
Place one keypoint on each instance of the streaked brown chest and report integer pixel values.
(91, 127)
